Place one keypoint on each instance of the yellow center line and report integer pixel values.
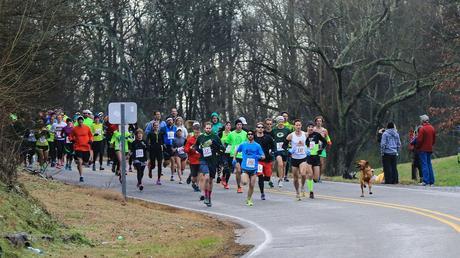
(413, 209)
(400, 205)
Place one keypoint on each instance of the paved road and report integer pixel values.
(394, 222)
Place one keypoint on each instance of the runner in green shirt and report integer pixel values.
(116, 143)
(279, 134)
(97, 129)
(234, 139)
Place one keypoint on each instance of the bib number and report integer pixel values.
(98, 131)
(312, 145)
(170, 135)
(139, 153)
(251, 163)
(301, 150)
(180, 150)
(260, 168)
(58, 134)
(207, 152)
(42, 139)
(228, 149)
(279, 146)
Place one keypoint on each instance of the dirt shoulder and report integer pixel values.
(146, 229)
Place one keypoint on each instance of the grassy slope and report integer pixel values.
(95, 218)
(447, 172)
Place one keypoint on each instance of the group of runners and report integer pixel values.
(212, 150)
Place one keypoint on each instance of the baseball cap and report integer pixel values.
(279, 119)
(169, 118)
(310, 123)
(196, 124)
(424, 118)
(243, 120)
(87, 111)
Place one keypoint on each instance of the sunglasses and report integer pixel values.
(260, 127)
(250, 134)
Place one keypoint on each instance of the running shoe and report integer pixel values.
(240, 190)
(280, 184)
(209, 203)
(270, 183)
(202, 198)
(286, 179)
(189, 180)
(101, 168)
(223, 182)
(130, 169)
(249, 202)
(206, 200)
(297, 197)
(81, 179)
(172, 178)
(94, 167)
(141, 187)
(158, 182)
(312, 196)
(227, 186)
(180, 182)
(218, 180)
(262, 197)
(150, 174)
(304, 194)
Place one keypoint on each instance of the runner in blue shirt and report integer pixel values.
(252, 152)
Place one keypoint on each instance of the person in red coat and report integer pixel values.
(424, 142)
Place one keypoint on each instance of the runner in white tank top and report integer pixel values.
(299, 157)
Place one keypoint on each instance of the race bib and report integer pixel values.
(58, 134)
(42, 139)
(312, 145)
(170, 135)
(301, 150)
(139, 153)
(260, 168)
(228, 149)
(250, 163)
(180, 150)
(279, 146)
(207, 152)
(98, 131)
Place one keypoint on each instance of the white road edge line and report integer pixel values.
(255, 250)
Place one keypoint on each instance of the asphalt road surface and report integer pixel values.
(394, 222)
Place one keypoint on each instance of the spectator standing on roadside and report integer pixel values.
(389, 148)
(424, 142)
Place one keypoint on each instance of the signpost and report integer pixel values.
(123, 113)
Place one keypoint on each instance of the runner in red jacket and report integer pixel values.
(193, 156)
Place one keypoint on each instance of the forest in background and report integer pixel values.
(358, 63)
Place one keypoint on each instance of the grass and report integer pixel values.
(447, 172)
(88, 221)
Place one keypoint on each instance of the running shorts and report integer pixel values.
(84, 155)
(296, 162)
(283, 155)
(168, 152)
(194, 169)
(323, 154)
(314, 160)
(266, 168)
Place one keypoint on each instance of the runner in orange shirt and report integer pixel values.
(82, 139)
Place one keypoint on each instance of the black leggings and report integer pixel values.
(156, 155)
(261, 183)
(98, 150)
(227, 164)
(52, 151)
(140, 171)
(60, 149)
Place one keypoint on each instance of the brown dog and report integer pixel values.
(366, 175)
